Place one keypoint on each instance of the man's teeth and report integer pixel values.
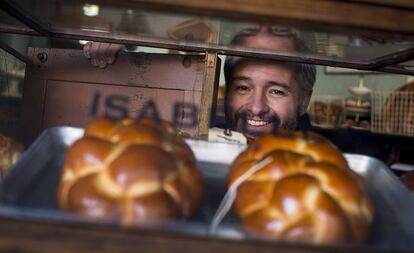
(257, 122)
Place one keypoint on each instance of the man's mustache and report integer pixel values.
(273, 119)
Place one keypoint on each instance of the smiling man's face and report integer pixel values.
(263, 96)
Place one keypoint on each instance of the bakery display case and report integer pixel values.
(327, 111)
(52, 91)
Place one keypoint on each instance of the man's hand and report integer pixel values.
(101, 54)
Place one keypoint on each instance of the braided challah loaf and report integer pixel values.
(306, 192)
(131, 172)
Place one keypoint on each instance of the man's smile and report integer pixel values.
(254, 122)
(252, 126)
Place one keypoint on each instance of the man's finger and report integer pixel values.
(110, 60)
(93, 52)
(101, 63)
(101, 54)
(87, 50)
(94, 62)
(112, 52)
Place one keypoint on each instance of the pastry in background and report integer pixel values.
(408, 181)
(10, 152)
(364, 124)
(132, 172)
(306, 192)
(326, 114)
(398, 111)
(349, 123)
(407, 87)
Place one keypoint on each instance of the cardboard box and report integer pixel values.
(63, 88)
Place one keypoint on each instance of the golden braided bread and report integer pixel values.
(130, 171)
(306, 193)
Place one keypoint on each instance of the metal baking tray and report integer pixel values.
(29, 191)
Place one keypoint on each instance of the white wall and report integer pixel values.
(337, 84)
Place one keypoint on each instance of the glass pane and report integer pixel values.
(20, 42)
(323, 43)
(409, 65)
(9, 21)
(117, 19)
(12, 73)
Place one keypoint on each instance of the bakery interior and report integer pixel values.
(361, 102)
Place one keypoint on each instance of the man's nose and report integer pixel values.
(258, 104)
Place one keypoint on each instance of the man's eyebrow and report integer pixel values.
(241, 78)
(279, 84)
(269, 83)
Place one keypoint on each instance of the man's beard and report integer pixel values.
(239, 123)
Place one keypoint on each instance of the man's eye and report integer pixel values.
(242, 88)
(277, 92)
